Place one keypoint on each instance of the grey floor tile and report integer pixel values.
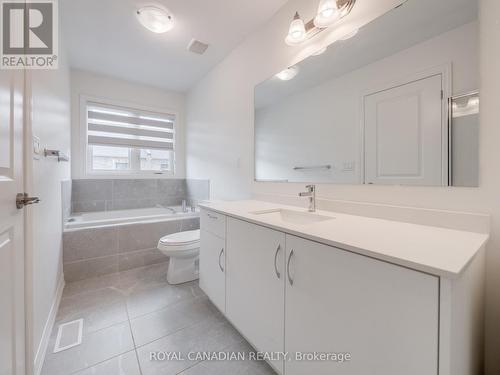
(211, 335)
(163, 322)
(99, 309)
(143, 278)
(91, 285)
(147, 300)
(96, 347)
(125, 364)
(248, 366)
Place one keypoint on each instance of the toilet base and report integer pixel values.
(182, 270)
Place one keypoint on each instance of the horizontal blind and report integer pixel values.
(118, 126)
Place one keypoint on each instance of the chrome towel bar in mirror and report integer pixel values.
(328, 166)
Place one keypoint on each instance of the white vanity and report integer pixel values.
(398, 298)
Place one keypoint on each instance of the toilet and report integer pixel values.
(183, 248)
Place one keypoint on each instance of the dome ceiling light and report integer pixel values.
(155, 19)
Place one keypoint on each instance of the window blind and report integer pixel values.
(117, 126)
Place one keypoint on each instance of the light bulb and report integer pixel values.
(288, 73)
(328, 14)
(155, 19)
(297, 31)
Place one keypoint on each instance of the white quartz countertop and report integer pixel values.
(438, 251)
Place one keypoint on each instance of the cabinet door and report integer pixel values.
(255, 285)
(384, 316)
(212, 268)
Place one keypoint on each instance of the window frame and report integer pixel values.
(84, 147)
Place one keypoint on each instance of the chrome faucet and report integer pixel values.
(311, 194)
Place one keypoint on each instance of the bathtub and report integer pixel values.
(101, 243)
(136, 215)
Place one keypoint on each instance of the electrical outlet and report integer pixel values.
(348, 166)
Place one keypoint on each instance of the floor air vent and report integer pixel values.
(69, 335)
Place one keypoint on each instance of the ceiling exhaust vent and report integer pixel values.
(198, 47)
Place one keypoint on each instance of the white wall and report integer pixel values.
(50, 121)
(127, 93)
(220, 139)
(320, 126)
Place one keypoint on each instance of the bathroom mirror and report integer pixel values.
(383, 106)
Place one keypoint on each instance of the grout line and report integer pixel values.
(171, 333)
(133, 339)
(101, 362)
(221, 350)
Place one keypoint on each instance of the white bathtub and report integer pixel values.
(136, 215)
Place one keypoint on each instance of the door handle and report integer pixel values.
(290, 280)
(220, 255)
(22, 199)
(278, 275)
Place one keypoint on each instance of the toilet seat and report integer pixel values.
(181, 241)
(183, 249)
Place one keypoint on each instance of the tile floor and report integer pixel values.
(130, 314)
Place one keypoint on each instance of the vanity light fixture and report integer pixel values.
(296, 32)
(329, 13)
(289, 73)
(155, 19)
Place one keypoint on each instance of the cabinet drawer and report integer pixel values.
(213, 222)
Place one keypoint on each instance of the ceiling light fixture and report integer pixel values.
(155, 19)
(288, 73)
(296, 32)
(329, 13)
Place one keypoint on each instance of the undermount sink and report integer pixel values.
(293, 217)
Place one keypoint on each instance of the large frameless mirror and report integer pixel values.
(382, 106)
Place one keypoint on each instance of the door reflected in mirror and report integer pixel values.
(382, 107)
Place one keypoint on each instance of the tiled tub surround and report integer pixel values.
(120, 194)
(97, 251)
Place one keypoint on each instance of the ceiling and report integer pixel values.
(397, 30)
(103, 36)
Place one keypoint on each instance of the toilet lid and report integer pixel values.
(181, 238)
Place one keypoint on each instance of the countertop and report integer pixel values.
(434, 250)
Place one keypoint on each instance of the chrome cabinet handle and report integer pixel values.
(290, 280)
(278, 275)
(220, 255)
(212, 216)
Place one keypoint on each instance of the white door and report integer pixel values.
(384, 316)
(12, 331)
(255, 289)
(404, 136)
(213, 267)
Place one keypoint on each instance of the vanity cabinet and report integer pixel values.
(287, 294)
(213, 257)
(385, 316)
(255, 289)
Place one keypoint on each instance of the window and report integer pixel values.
(124, 140)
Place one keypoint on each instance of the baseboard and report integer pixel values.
(49, 325)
